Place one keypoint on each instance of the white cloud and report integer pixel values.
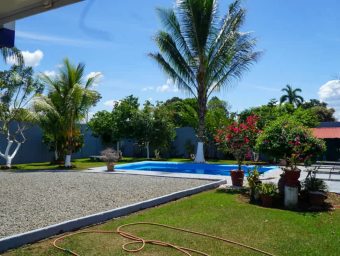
(60, 65)
(169, 87)
(147, 88)
(31, 59)
(90, 115)
(49, 73)
(150, 99)
(112, 103)
(93, 74)
(163, 88)
(330, 93)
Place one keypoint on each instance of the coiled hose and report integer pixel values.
(154, 242)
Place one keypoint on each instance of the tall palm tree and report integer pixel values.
(69, 99)
(12, 52)
(202, 53)
(291, 96)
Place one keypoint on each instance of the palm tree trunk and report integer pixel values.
(69, 152)
(70, 143)
(202, 109)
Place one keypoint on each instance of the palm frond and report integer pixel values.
(229, 74)
(171, 24)
(237, 59)
(229, 24)
(172, 55)
(172, 74)
(297, 90)
(14, 53)
(283, 98)
(93, 80)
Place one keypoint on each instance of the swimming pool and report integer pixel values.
(189, 168)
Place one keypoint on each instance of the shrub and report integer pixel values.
(268, 189)
(189, 148)
(287, 140)
(314, 184)
(109, 156)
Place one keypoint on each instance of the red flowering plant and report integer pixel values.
(239, 139)
(291, 141)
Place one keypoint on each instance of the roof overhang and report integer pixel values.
(12, 10)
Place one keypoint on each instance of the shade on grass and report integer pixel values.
(217, 213)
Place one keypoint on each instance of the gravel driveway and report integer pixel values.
(31, 200)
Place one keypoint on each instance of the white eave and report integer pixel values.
(11, 10)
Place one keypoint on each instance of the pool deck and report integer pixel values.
(272, 174)
(269, 176)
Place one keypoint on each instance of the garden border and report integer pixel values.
(33, 236)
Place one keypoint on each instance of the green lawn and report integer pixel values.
(214, 212)
(85, 163)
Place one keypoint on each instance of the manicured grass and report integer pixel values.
(85, 163)
(214, 212)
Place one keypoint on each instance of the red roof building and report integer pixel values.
(327, 133)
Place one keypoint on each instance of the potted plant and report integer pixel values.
(238, 139)
(317, 190)
(157, 154)
(109, 156)
(254, 183)
(292, 142)
(190, 149)
(120, 155)
(268, 192)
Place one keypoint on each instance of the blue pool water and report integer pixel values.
(209, 169)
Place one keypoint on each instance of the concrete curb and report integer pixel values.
(16, 241)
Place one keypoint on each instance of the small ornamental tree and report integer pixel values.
(17, 85)
(290, 141)
(239, 139)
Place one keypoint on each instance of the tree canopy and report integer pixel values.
(268, 114)
(17, 85)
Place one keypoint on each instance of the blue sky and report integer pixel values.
(301, 41)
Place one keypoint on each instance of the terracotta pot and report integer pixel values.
(237, 177)
(317, 199)
(292, 177)
(110, 167)
(254, 194)
(267, 201)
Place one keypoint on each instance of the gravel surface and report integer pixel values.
(31, 200)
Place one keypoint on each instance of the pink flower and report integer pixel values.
(265, 142)
(319, 224)
(311, 155)
(266, 221)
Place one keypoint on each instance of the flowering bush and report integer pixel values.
(239, 139)
(109, 156)
(293, 142)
